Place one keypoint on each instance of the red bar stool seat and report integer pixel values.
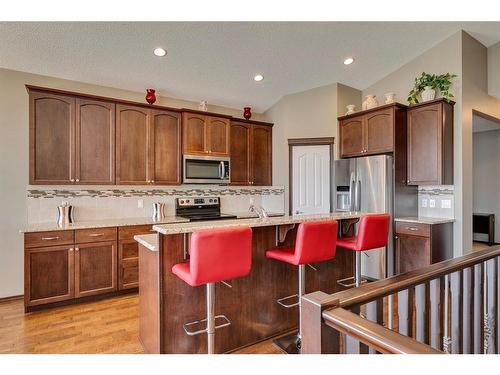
(215, 256)
(373, 233)
(315, 242)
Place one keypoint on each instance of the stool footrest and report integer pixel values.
(350, 281)
(186, 326)
(280, 301)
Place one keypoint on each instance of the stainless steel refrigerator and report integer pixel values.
(366, 184)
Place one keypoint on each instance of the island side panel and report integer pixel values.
(251, 302)
(149, 300)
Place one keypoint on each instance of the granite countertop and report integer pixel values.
(425, 220)
(252, 222)
(51, 226)
(150, 241)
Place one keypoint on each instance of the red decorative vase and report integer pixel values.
(247, 113)
(150, 96)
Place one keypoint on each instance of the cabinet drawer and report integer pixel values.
(415, 229)
(42, 239)
(128, 233)
(95, 235)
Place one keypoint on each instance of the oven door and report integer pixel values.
(206, 170)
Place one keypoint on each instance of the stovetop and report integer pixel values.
(202, 217)
(200, 208)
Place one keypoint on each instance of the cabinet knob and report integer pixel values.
(77, 180)
(71, 250)
(72, 180)
(77, 249)
(152, 181)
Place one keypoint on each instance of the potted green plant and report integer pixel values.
(426, 85)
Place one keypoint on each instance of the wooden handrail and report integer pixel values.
(382, 288)
(374, 335)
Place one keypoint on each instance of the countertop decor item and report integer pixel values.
(150, 96)
(390, 98)
(158, 211)
(247, 113)
(64, 214)
(350, 109)
(427, 84)
(203, 106)
(370, 102)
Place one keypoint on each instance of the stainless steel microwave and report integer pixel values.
(199, 169)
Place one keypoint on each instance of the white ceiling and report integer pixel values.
(217, 61)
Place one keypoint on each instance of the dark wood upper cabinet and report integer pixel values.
(48, 275)
(241, 135)
(132, 140)
(165, 148)
(217, 135)
(52, 137)
(379, 131)
(372, 131)
(95, 142)
(261, 155)
(430, 143)
(351, 136)
(95, 268)
(205, 135)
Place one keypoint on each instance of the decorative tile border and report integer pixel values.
(119, 193)
(436, 190)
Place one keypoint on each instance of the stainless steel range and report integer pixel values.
(199, 209)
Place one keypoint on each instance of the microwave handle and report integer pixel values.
(222, 170)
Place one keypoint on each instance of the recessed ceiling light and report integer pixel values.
(159, 52)
(258, 77)
(348, 61)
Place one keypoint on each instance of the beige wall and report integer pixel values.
(474, 97)
(442, 58)
(494, 70)
(308, 114)
(14, 159)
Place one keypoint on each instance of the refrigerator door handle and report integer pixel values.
(352, 203)
(357, 194)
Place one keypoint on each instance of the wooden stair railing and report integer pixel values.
(449, 307)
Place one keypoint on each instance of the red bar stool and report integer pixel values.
(315, 242)
(373, 233)
(215, 256)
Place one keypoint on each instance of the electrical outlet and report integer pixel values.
(140, 203)
(252, 200)
(446, 203)
(424, 203)
(432, 203)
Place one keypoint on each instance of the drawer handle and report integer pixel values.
(50, 238)
(412, 228)
(96, 234)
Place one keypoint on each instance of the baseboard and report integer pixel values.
(11, 298)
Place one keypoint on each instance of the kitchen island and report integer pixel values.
(166, 302)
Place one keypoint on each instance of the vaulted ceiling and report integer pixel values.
(217, 61)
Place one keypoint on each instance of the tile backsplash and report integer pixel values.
(436, 201)
(98, 203)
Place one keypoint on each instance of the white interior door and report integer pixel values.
(311, 179)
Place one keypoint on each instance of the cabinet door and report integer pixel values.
(261, 152)
(95, 268)
(424, 145)
(379, 131)
(217, 136)
(351, 137)
(48, 275)
(412, 252)
(240, 153)
(52, 137)
(193, 134)
(132, 140)
(128, 264)
(165, 148)
(95, 142)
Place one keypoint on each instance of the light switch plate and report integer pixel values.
(446, 203)
(432, 203)
(424, 203)
(140, 203)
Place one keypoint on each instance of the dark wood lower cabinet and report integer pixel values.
(128, 260)
(49, 275)
(95, 268)
(420, 245)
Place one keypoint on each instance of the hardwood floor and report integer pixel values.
(108, 326)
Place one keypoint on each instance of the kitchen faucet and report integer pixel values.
(259, 210)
